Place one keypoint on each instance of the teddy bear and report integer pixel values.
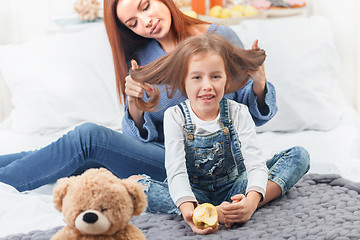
(98, 205)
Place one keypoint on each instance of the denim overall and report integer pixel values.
(213, 161)
(216, 169)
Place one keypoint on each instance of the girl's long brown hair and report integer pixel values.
(124, 42)
(172, 68)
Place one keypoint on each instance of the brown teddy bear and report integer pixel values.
(98, 205)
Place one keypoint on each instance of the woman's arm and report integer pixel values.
(259, 81)
(134, 89)
(258, 94)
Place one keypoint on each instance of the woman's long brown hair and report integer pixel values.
(172, 68)
(124, 42)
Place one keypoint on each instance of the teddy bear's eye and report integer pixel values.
(103, 209)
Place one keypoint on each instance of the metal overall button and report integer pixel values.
(190, 137)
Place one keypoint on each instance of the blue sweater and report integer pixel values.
(154, 120)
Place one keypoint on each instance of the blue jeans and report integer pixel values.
(88, 145)
(285, 169)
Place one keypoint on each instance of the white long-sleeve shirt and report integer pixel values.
(175, 162)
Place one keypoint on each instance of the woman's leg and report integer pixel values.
(9, 158)
(121, 154)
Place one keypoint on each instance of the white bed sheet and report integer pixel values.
(333, 151)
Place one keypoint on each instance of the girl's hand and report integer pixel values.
(241, 209)
(187, 209)
(258, 77)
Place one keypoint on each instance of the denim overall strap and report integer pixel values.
(229, 127)
(224, 115)
(188, 127)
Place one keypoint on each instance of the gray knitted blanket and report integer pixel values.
(318, 207)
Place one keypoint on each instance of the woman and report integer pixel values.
(143, 30)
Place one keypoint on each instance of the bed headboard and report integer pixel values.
(5, 99)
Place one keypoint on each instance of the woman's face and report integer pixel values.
(147, 18)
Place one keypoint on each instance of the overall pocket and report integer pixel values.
(210, 161)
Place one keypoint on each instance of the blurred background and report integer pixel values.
(22, 20)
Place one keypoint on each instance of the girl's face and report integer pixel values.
(147, 18)
(205, 84)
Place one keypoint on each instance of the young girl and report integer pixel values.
(211, 151)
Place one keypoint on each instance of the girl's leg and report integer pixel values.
(285, 170)
(121, 154)
(273, 191)
(158, 196)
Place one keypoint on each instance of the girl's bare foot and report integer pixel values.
(135, 177)
(221, 217)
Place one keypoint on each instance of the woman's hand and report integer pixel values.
(241, 209)
(258, 77)
(134, 89)
(187, 209)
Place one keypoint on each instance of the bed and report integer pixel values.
(53, 83)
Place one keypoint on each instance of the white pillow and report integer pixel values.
(59, 81)
(303, 65)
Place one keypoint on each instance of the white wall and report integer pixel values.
(345, 19)
(21, 20)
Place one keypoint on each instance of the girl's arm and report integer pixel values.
(254, 160)
(241, 209)
(243, 206)
(175, 163)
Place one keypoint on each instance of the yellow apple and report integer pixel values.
(225, 13)
(191, 13)
(236, 14)
(205, 215)
(215, 11)
(238, 8)
(250, 11)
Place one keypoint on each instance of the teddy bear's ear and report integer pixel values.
(60, 191)
(137, 194)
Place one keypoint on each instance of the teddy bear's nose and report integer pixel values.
(90, 217)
